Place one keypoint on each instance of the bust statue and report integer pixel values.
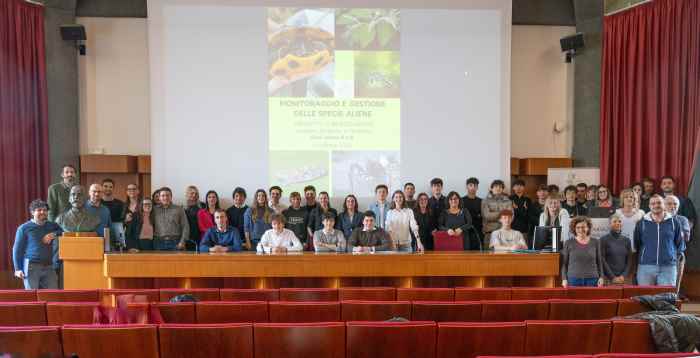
(77, 218)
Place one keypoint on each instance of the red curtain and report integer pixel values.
(650, 93)
(24, 147)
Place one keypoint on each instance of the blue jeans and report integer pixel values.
(585, 282)
(404, 247)
(165, 245)
(653, 275)
(37, 276)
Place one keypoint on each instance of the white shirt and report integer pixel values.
(399, 224)
(277, 208)
(629, 223)
(286, 238)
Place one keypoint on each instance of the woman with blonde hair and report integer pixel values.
(630, 213)
(555, 215)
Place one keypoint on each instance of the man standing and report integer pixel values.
(35, 248)
(192, 206)
(116, 211)
(648, 189)
(472, 203)
(381, 206)
(171, 229)
(659, 242)
(686, 207)
(521, 205)
(297, 219)
(275, 196)
(94, 206)
(582, 198)
(59, 192)
(409, 190)
(236, 212)
(671, 202)
(310, 196)
(437, 201)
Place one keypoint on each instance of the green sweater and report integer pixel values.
(58, 200)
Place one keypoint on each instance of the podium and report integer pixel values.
(83, 260)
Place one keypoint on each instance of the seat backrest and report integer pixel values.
(375, 310)
(627, 307)
(320, 340)
(631, 336)
(309, 294)
(367, 293)
(249, 294)
(60, 313)
(202, 294)
(649, 355)
(22, 313)
(109, 296)
(181, 312)
(461, 339)
(425, 294)
(113, 341)
(206, 340)
(68, 295)
(631, 290)
(570, 309)
(594, 293)
(567, 337)
(297, 312)
(458, 311)
(31, 341)
(478, 294)
(514, 311)
(231, 312)
(17, 295)
(391, 339)
(537, 293)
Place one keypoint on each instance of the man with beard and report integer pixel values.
(33, 253)
(59, 192)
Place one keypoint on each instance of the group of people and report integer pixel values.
(403, 222)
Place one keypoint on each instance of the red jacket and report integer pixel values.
(205, 220)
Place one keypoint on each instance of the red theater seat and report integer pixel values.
(206, 340)
(309, 294)
(631, 291)
(60, 313)
(537, 293)
(68, 295)
(202, 294)
(650, 355)
(567, 337)
(292, 312)
(17, 295)
(367, 293)
(183, 312)
(425, 294)
(113, 341)
(22, 313)
(627, 307)
(594, 293)
(514, 311)
(631, 336)
(320, 340)
(457, 339)
(582, 309)
(375, 310)
(391, 339)
(152, 294)
(557, 356)
(231, 312)
(479, 294)
(31, 341)
(458, 311)
(249, 294)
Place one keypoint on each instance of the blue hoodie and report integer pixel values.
(658, 244)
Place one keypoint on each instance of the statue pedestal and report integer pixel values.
(83, 261)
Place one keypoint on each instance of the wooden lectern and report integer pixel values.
(83, 260)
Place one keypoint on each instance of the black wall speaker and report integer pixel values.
(73, 32)
(573, 42)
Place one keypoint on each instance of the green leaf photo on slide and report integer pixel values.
(368, 29)
(377, 74)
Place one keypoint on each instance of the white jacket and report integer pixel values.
(399, 224)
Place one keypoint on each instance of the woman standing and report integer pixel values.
(604, 199)
(581, 258)
(350, 218)
(457, 221)
(256, 220)
(139, 233)
(400, 223)
(630, 214)
(205, 216)
(132, 205)
(425, 220)
(616, 250)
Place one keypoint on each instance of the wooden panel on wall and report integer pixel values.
(145, 184)
(514, 166)
(101, 163)
(539, 166)
(144, 164)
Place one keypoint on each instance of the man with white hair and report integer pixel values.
(672, 203)
(94, 206)
(659, 243)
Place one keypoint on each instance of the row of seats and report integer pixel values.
(332, 339)
(60, 313)
(342, 294)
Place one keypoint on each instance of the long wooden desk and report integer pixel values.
(250, 270)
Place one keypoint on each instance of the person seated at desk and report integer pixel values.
(369, 238)
(506, 238)
(329, 239)
(279, 240)
(222, 237)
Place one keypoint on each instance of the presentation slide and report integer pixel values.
(333, 95)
